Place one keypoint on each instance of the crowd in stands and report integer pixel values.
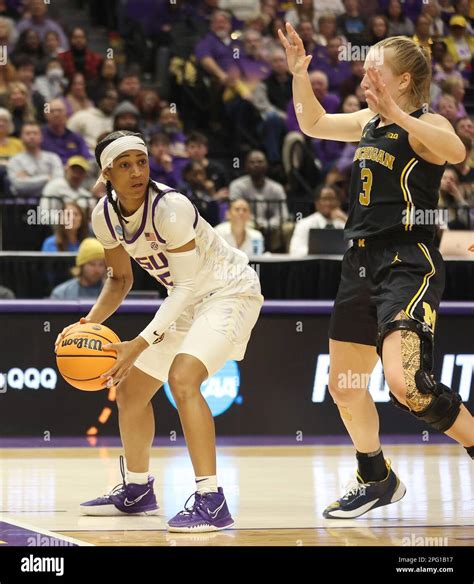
(206, 82)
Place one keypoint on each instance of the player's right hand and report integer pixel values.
(65, 330)
(296, 56)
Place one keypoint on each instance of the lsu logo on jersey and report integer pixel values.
(429, 316)
(392, 135)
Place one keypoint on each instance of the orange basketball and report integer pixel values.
(81, 358)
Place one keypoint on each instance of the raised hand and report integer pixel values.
(298, 61)
(378, 97)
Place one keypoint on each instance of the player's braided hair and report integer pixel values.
(98, 151)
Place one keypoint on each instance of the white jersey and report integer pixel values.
(168, 220)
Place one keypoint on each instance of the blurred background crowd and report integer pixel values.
(207, 84)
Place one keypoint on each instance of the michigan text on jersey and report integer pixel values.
(375, 154)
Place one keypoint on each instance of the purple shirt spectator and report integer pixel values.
(65, 146)
(43, 28)
(154, 15)
(346, 158)
(410, 8)
(212, 46)
(327, 151)
(172, 178)
(330, 103)
(337, 73)
(253, 70)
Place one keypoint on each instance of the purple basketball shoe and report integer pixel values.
(208, 513)
(124, 499)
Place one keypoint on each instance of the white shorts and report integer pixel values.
(214, 331)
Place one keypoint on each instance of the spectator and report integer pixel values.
(446, 68)
(92, 122)
(352, 83)
(58, 138)
(171, 125)
(312, 10)
(29, 45)
(465, 129)
(454, 86)
(398, 23)
(306, 31)
(327, 29)
(452, 199)
(337, 70)
(148, 103)
(422, 35)
(29, 171)
(464, 8)
(70, 233)
(68, 188)
(25, 73)
(39, 22)
(377, 29)
(107, 79)
(351, 23)
(460, 44)
(79, 59)
(464, 171)
(278, 84)
(197, 150)
(201, 191)
(9, 146)
(89, 274)
(76, 98)
(20, 106)
(215, 52)
(6, 293)
(433, 10)
(164, 168)
(126, 117)
(253, 68)
(7, 34)
(328, 215)
(447, 106)
(267, 197)
(329, 101)
(51, 84)
(129, 87)
(237, 232)
(7, 76)
(9, 9)
(52, 45)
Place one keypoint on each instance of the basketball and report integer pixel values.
(81, 358)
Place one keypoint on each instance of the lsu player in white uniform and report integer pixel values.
(213, 303)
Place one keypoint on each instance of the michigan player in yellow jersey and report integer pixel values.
(393, 276)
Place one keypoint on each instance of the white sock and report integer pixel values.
(137, 478)
(206, 484)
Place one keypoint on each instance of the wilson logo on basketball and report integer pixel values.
(93, 344)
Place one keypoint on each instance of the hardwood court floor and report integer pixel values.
(276, 495)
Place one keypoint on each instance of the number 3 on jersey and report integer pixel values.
(366, 177)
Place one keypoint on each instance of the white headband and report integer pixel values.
(118, 147)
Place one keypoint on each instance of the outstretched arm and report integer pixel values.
(312, 117)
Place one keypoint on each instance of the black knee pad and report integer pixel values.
(445, 406)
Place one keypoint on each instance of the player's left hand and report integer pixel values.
(127, 353)
(471, 247)
(378, 97)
